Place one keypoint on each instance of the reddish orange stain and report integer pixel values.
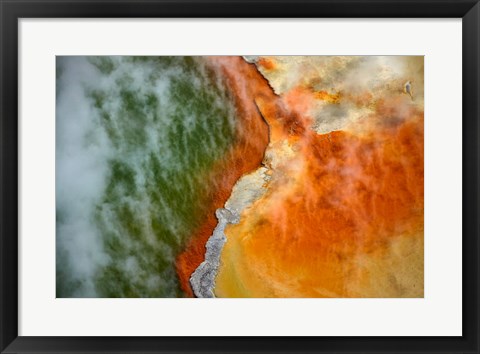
(267, 63)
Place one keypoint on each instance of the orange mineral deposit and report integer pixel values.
(342, 218)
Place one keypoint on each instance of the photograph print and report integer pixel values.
(239, 176)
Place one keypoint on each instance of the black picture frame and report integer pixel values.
(12, 10)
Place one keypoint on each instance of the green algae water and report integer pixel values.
(136, 140)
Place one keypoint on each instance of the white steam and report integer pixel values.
(80, 172)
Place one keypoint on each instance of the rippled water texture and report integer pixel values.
(138, 141)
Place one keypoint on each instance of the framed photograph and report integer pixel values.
(239, 176)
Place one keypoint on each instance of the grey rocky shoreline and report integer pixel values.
(246, 191)
(203, 279)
